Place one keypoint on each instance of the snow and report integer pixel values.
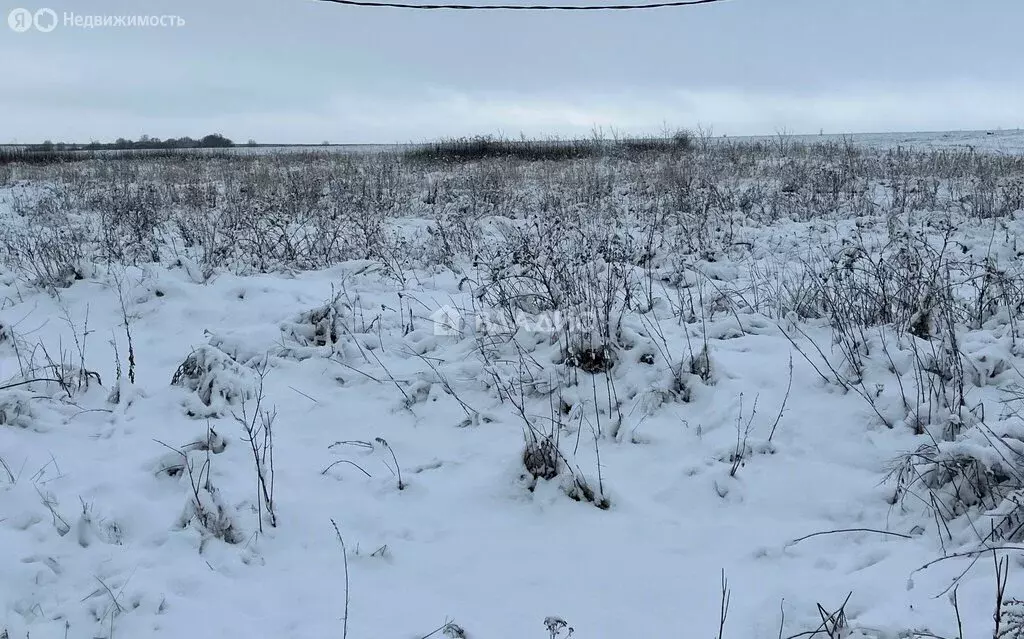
(100, 534)
(1008, 142)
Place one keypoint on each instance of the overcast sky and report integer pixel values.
(306, 71)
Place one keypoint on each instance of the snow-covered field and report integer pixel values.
(996, 141)
(746, 391)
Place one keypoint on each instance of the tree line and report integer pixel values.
(212, 141)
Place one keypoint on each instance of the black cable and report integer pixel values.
(523, 7)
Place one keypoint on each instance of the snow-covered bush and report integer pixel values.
(16, 409)
(980, 474)
(321, 327)
(218, 381)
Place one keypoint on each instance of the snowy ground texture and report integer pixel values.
(612, 397)
(998, 141)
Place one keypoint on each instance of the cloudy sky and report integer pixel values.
(308, 71)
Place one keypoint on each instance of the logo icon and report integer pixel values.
(22, 20)
(45, 20)
(447, 322)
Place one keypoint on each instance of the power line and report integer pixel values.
(523, 7)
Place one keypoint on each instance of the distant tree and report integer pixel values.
(214, 141)
(46, 146)
(251, 142)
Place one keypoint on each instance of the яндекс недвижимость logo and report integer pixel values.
(46, 20)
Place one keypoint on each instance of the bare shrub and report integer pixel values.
(259, 431)
(47, 256)
(205, 507)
